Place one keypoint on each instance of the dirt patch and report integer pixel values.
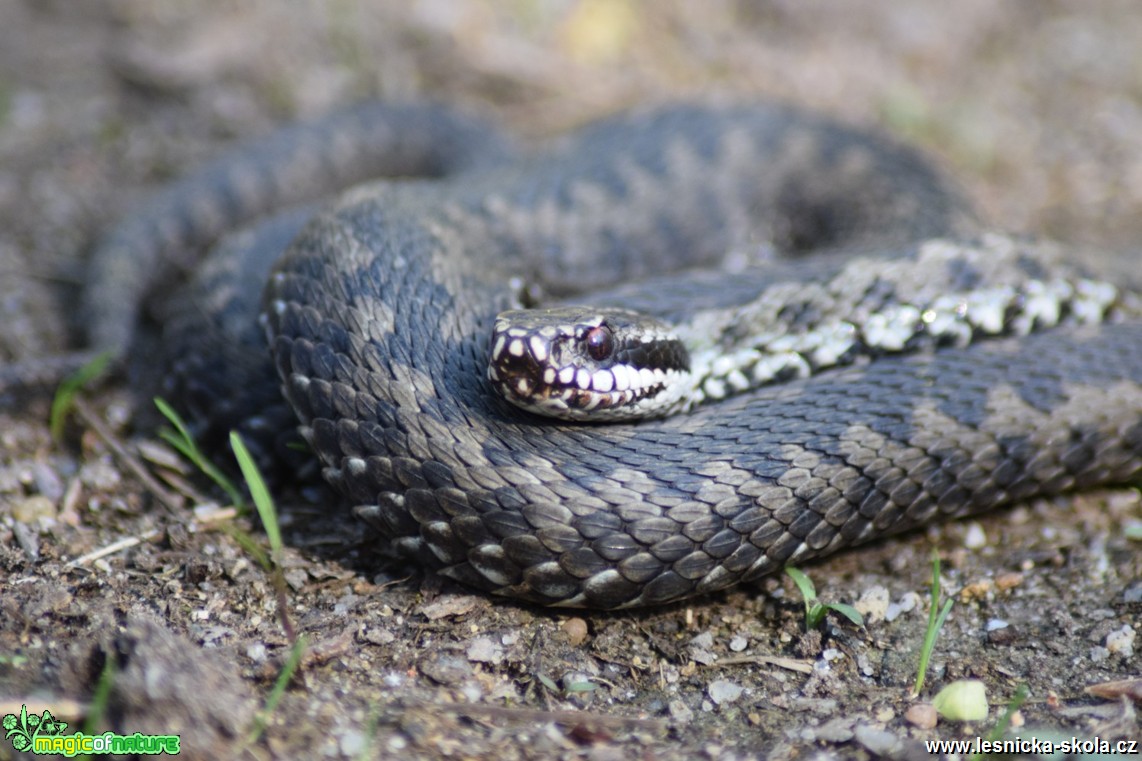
(1036, 106)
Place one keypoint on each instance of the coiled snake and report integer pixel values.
(380, 315)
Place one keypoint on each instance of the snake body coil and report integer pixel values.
(379, 319)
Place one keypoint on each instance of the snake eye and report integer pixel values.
(600, 343)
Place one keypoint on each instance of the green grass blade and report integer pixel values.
(936, 618)
(259, 493)
(808, 595)
(65, 395)
(249, 544)
(182, 440)
(803, 582)
(847, 611)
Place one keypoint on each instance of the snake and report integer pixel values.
(859, 354)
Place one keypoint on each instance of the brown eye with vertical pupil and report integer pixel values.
(600, 343)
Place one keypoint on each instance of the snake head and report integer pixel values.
(587, 364)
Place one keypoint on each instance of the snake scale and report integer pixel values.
(379, 314)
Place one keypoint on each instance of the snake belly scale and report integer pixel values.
(380, 312)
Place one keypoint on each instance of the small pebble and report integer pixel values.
(575, 630)
(353, 743)
(738, 644)
(977, 590)
(724, 691)
(256, 652)
(879, 742)
(485, 650)
(100, 476)
(375, 635)
(48, 482)
(1005, 636)
(1006, 581)
(32, 509)
(447, 670)
(703, 641)
(1121, 641)
(906, 604)
(995, 623)
(975, 538)
(922, 715)
(873, 603)
(680, 712)
(838, 730)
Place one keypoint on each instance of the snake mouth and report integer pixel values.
(572, 391)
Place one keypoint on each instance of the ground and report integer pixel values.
(1035, 106)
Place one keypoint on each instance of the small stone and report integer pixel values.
(1133, 593)
(922, 715)
(485, 650)
(974, 537)
(375, 635)
(906, 604)
(353, 743)
(703, 641)
(1121, 641)
(724, 691)
(738, 644)
(1007, 581)
(994, 624)
(976, 590)
(296, 578)
(48, 482)
(838, 730)
(879, 742)
(256, 652)
(680, 712)
(100, 476)
(446, 670)
(575, 630)
(873, 603)
(1003, 636)
(32, 509)
(704, 657)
